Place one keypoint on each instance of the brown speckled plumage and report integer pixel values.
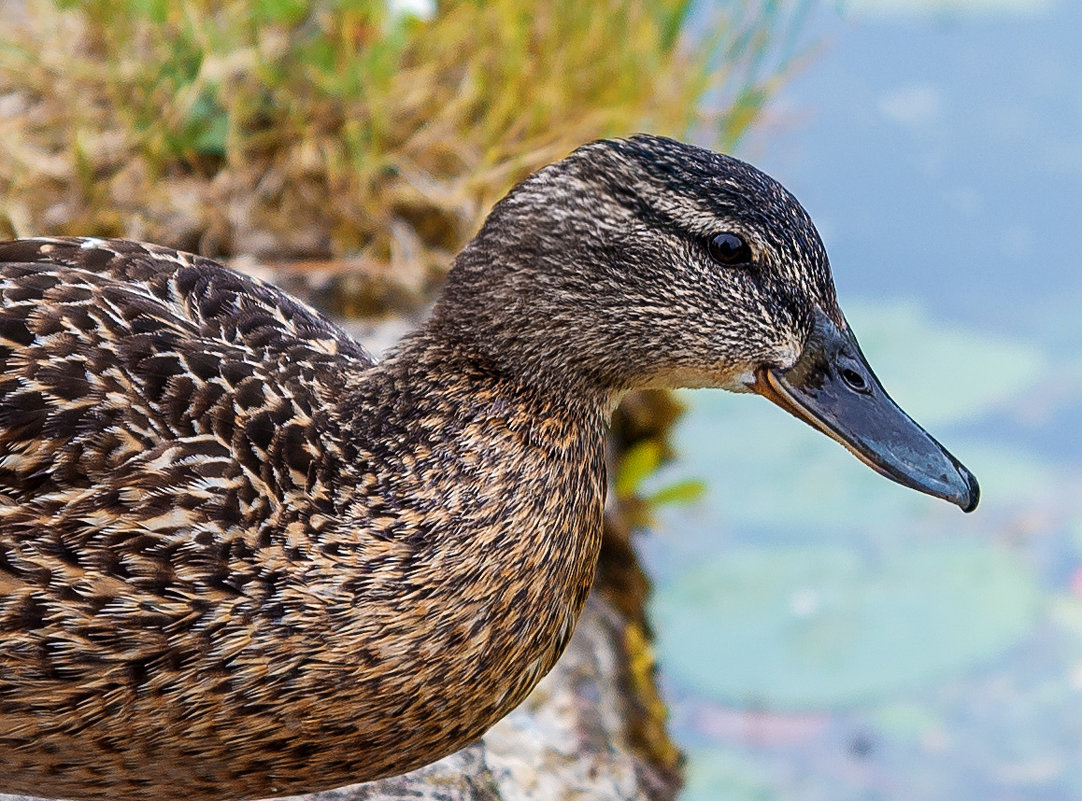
(238, 558)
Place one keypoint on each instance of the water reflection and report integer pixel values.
(825, 634)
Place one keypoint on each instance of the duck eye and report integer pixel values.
(729, 250)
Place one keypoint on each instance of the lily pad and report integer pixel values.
(798, 628)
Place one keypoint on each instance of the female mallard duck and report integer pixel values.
(238, 558)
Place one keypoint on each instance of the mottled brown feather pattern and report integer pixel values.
(238, 558)
(177, 581)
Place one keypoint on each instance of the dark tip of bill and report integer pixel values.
(969, 502)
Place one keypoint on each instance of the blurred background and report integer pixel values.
(847, 639)
(822, 634)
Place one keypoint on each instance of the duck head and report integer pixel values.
(647, 262)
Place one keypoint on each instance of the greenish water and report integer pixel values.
(824, 633)
(827, 634)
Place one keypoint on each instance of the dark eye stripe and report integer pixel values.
(729, 250)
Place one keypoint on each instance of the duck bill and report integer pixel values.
(832, 388)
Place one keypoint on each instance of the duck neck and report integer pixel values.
(532, 323)
(491, 488)
(472, 370)
(438, 421)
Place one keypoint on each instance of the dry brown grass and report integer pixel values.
(286, 129)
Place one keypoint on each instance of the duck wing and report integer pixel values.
(169, 449)
(165, 423)
(113, 350)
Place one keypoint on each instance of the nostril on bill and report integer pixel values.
(854, 380)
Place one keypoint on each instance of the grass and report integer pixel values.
(288, 129)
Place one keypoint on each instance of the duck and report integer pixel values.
(241, 558)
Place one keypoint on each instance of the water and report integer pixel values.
(825, 634)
